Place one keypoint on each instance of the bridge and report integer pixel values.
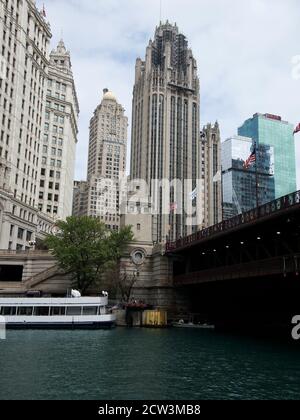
(247, 267)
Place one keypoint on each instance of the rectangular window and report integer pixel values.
(90, 310)
(20, 233)
(25, 311)
(8, 311)
(41, 311)
(74, 310)
(58, 311)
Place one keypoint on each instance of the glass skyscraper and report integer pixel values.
(245, 189)
(271, 130)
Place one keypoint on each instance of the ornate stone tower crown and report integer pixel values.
(60, 58)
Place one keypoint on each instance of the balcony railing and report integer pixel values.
(4, 252)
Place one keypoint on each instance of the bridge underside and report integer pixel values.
(250, 305)
(245, 278)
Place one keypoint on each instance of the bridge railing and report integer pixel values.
(274, 206)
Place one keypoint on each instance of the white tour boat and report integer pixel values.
(66, 313)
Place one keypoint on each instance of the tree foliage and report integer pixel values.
(85, 248)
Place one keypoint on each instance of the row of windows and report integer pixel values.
(55, 129)
(55, 140)
(52, 174)
(49, 209)
(50, 197)
(54, 151)
(54, 163)
(50, 311)
(22, 233)
(57, 118)
(51, 185)
(58, 85)
(23, 214)
(57, 95)
(56, 106)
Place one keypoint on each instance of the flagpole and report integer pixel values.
(256, 177)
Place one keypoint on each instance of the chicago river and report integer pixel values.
(145, 364)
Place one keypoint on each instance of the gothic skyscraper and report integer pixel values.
(165, 132)
(59, 137)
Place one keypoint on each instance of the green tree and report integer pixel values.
(85, 248)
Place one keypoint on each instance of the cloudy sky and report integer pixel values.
(244, 52)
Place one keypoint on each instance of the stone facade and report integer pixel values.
(21, 225)
(211, 167)
(25, 72)
(59, 137)
(100, 196)
(165, 131)
(80, 198)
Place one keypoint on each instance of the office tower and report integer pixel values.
(24, 41)
(80, 198)
(165, 132)
(267, 129)
(107, 160)
(245, 189)
(59, 137)
(211, 173)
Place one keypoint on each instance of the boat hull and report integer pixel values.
(61, 326)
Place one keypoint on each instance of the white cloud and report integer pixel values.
(244, 52)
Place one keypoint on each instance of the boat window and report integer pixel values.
(8, 311)
(90, 310)
(74, 310)
(27, 311)
(41, 311)
(58, 310)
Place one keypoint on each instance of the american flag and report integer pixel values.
(251, 159)
(297, 129)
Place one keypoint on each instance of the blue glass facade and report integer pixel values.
(244, 189)
(272, 131)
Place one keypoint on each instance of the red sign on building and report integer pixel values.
(273, 117)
